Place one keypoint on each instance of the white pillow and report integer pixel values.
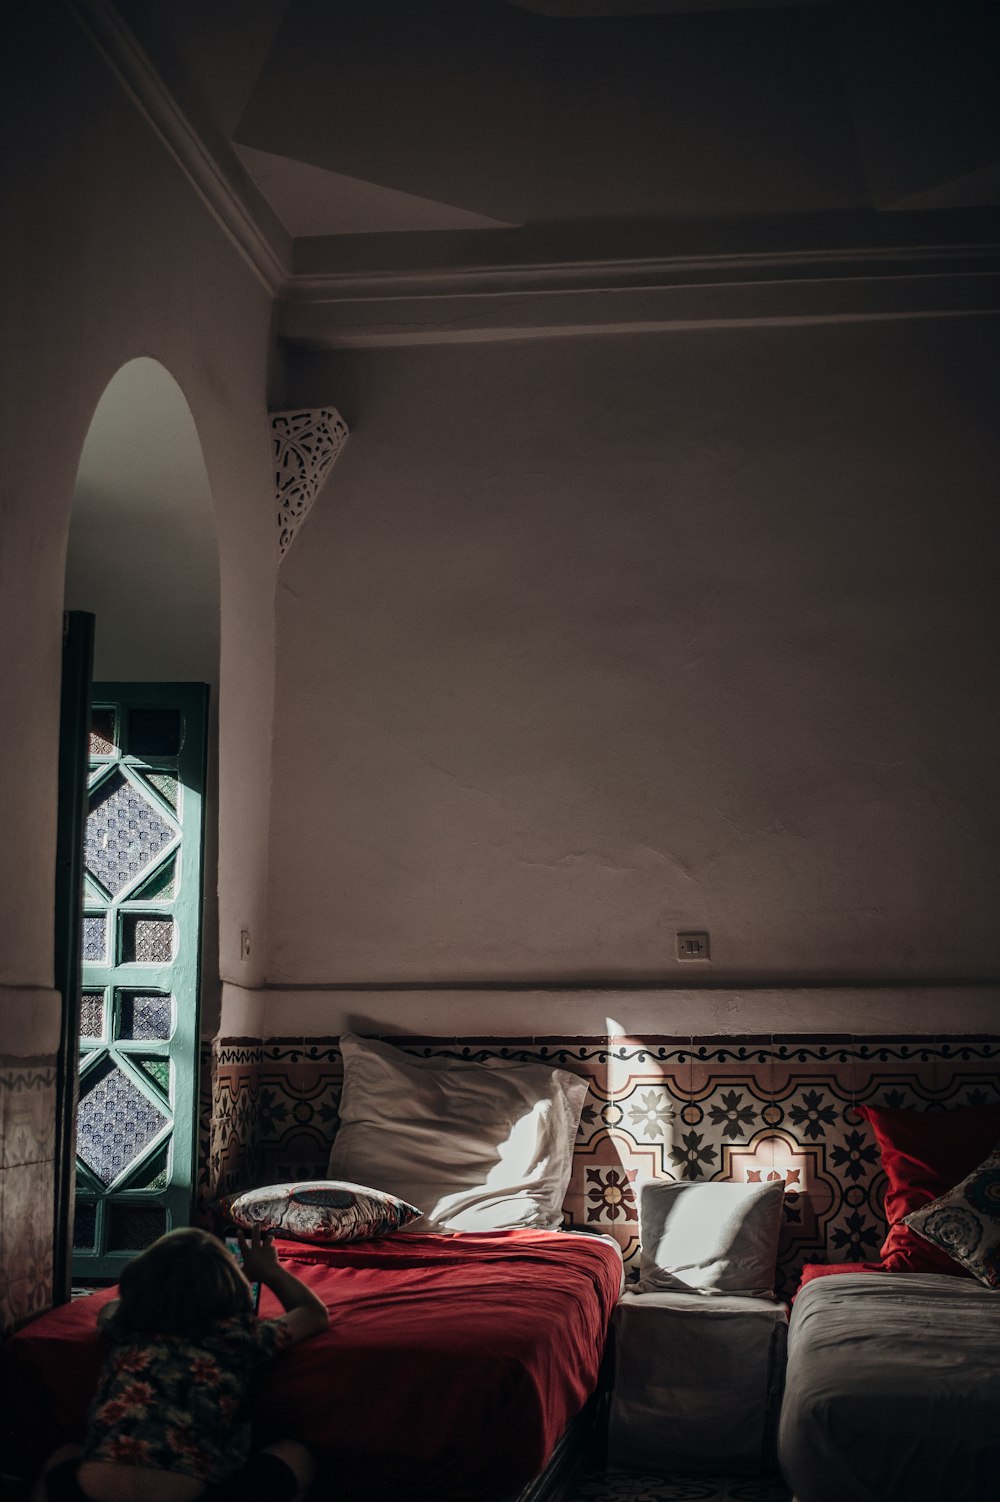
(477, 1147)
(709, 1238)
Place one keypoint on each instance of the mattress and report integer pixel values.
(892, 1390)
(451, 1367)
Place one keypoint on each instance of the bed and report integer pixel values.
(452, 1368)
(467, 1328)
(892, 1387)
(892, 1390)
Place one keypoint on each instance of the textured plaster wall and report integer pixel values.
(591, 641)
(107, 254)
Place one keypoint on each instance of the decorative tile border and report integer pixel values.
(27, 1151)
(693, 1108)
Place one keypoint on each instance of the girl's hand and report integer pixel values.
(260, 1260)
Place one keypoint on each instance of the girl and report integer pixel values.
(170, 1421)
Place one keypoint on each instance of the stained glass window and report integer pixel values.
(154, 1174)
(131, 1228)
(95, 946)
(102, 731)
(147, 941)
(124, 833)
(158, 1070)
(114, 1123)
(92, 1014)
(143, 1017)
(162, 885)
(154, 732)
(165, 784)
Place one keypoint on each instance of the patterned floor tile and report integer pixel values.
(631, 1486)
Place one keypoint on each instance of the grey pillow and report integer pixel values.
(709, 1238)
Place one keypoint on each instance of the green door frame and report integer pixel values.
(74, 732)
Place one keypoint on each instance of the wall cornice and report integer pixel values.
(557, 295)
(465, 305)
(261, 249)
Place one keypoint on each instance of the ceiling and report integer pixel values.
(478, 117)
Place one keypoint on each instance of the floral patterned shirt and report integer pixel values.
(180, 1403)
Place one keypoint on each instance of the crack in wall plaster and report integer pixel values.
(604, 862)
(433, 766)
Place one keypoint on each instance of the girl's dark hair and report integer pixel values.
(181, 1285)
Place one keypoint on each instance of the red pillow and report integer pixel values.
(924, 1154)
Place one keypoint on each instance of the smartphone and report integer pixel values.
(233, 1244)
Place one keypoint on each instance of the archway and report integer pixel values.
(142, 558)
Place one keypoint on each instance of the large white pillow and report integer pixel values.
(476, 1147)
(715, 1237)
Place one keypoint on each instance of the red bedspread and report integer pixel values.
(451, 1366)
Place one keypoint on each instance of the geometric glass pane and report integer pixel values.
(95, 944)
(85, 1225)
(114, 1122)
(147, 941)
(154, 1174)
(158, 1070)
(124, 833)
(131, 1228)
(142, 1017)
(154, 732)
(102, 732)
(92, 1014)
(162, 884)
(165, 784)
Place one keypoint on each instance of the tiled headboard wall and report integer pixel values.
(694, 1108)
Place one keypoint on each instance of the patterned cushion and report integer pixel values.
(320, 1210)
(965, 1222)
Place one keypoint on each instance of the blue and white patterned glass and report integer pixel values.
(144, 1018)
(115, 1123)
(95, 943)
(124, 834)
(92, 1014)
(147, 941)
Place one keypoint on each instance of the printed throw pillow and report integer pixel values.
(709, 1238)
(924, 1153)
(478, 1146)
(320, 1210)
(965, 1222)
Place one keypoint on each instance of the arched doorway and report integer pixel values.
(142, 559)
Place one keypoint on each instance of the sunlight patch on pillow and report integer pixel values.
(478, 1146)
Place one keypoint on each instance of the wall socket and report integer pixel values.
(692, 946)
(244, 943)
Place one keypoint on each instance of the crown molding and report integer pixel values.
(543, 298)
(116, 43)
(461, 305)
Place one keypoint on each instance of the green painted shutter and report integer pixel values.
(136, 1129)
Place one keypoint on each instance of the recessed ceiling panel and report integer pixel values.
(314, 201)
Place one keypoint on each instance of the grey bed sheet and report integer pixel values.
(892, 1391)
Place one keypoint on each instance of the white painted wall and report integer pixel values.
(108, 254)
(593, 640)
